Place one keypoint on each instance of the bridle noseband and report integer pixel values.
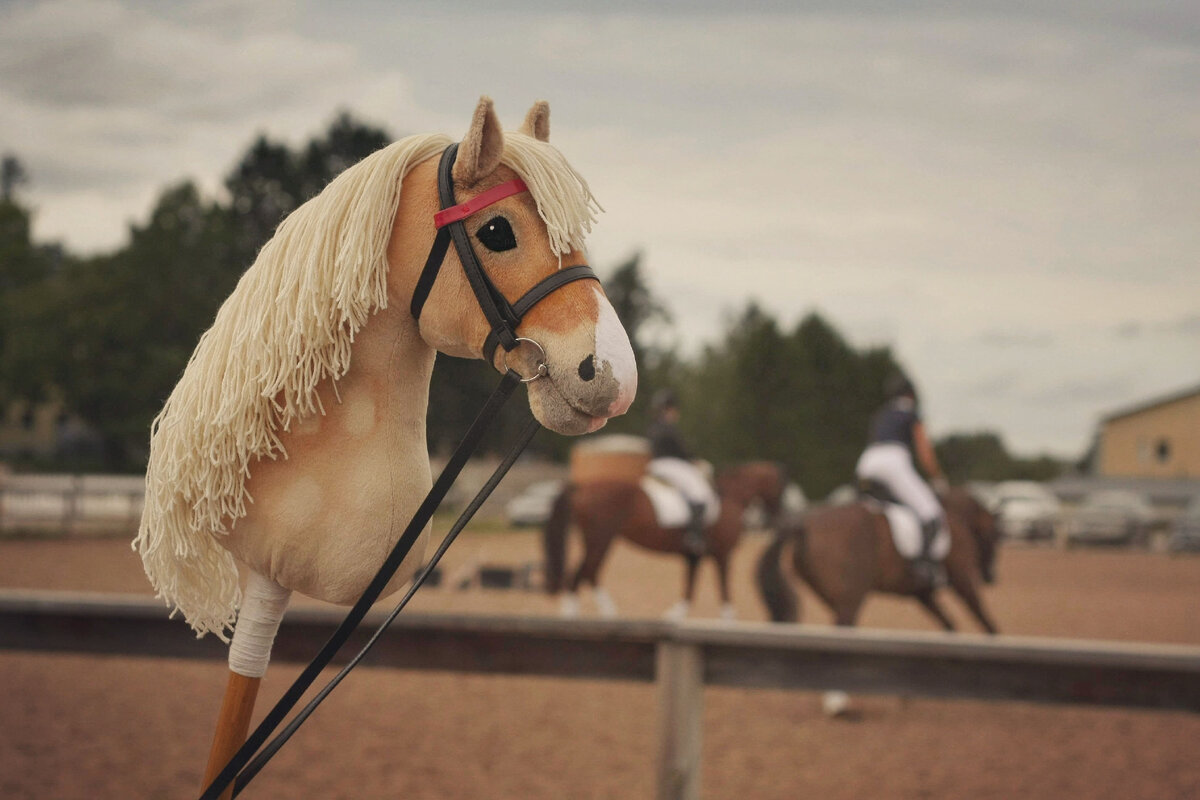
(502, 316)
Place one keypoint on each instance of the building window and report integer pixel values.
(1162, 451)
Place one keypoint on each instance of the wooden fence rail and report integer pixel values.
(680, 657)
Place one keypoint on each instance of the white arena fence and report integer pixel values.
(71, 504)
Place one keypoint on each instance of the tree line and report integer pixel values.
(109, 335)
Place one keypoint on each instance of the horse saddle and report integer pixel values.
(902, 520)
(670, 505)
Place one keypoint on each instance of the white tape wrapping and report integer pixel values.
(263, 604)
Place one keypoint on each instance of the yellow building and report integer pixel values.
(1156, 439)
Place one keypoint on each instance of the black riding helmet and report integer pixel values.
(898, 385)
(662, 400)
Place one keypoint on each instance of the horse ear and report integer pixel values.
(480, 150)
(537, 122)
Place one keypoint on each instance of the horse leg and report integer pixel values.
(681, 607)
(845, 616)
(722, 563)
(969, 593)
(589, 572)
(929, 600)
(569, 605)
(845, 609)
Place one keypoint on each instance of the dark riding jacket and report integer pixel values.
(894, 423)
(666, 442)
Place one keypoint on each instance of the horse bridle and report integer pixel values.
(502, 316)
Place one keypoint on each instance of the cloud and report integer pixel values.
(1011, 338)
(1185, 326)
(1188, 325)
(106, 103)
(989, 191)
(1128, 330)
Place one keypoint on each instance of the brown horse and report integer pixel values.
(845, 552)
(605, 510)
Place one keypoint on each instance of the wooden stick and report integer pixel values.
(233, 724)
(263, 606)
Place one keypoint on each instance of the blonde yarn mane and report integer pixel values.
(289, 325)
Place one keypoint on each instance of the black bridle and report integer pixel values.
(503, 317)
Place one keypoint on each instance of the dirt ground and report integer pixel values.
(87, 727)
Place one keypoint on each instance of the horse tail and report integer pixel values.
(554, 540)
(781, 600)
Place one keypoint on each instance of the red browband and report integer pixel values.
(479, 201)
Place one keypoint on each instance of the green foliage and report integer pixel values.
(271, 181)
(111, 335)
(26, 271)
(983, 457)
(802, 398)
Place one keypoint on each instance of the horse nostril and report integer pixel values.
(587, 368)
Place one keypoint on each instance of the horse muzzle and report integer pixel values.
(588, 374)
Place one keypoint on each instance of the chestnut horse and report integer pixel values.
(608, 509)
(845, 552)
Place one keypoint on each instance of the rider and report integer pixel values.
(672, 463)
(896, 436)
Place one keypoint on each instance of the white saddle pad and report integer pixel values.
(670, 507)
(906, 533)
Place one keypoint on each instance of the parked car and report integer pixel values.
(1026, 510)
(1185, 536)
(842, 496)
(1111, 516)
(533, 505)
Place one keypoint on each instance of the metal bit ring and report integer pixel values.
(543, 368)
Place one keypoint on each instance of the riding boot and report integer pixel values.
(927, 569)
(693, 535)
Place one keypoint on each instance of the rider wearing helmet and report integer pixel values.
(672, 462)
(897, 436)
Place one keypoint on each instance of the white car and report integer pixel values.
(533, 505)
(1111, 516)
(1186, 535)
(1026, 510)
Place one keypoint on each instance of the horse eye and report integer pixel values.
(497, 235)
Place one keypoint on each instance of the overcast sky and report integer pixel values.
(1010, 199)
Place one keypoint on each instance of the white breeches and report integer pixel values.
(686, 477)
(890, 464)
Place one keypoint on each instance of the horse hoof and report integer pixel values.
(677, 612)
(605, 605)
(569, 606)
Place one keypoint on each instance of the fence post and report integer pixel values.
(71, 505)
(680, 677)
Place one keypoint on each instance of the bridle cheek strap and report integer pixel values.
(503, 317)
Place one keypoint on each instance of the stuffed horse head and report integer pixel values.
(520, 240)
(294, 444)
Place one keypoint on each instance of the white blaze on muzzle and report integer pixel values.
(613, 349)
